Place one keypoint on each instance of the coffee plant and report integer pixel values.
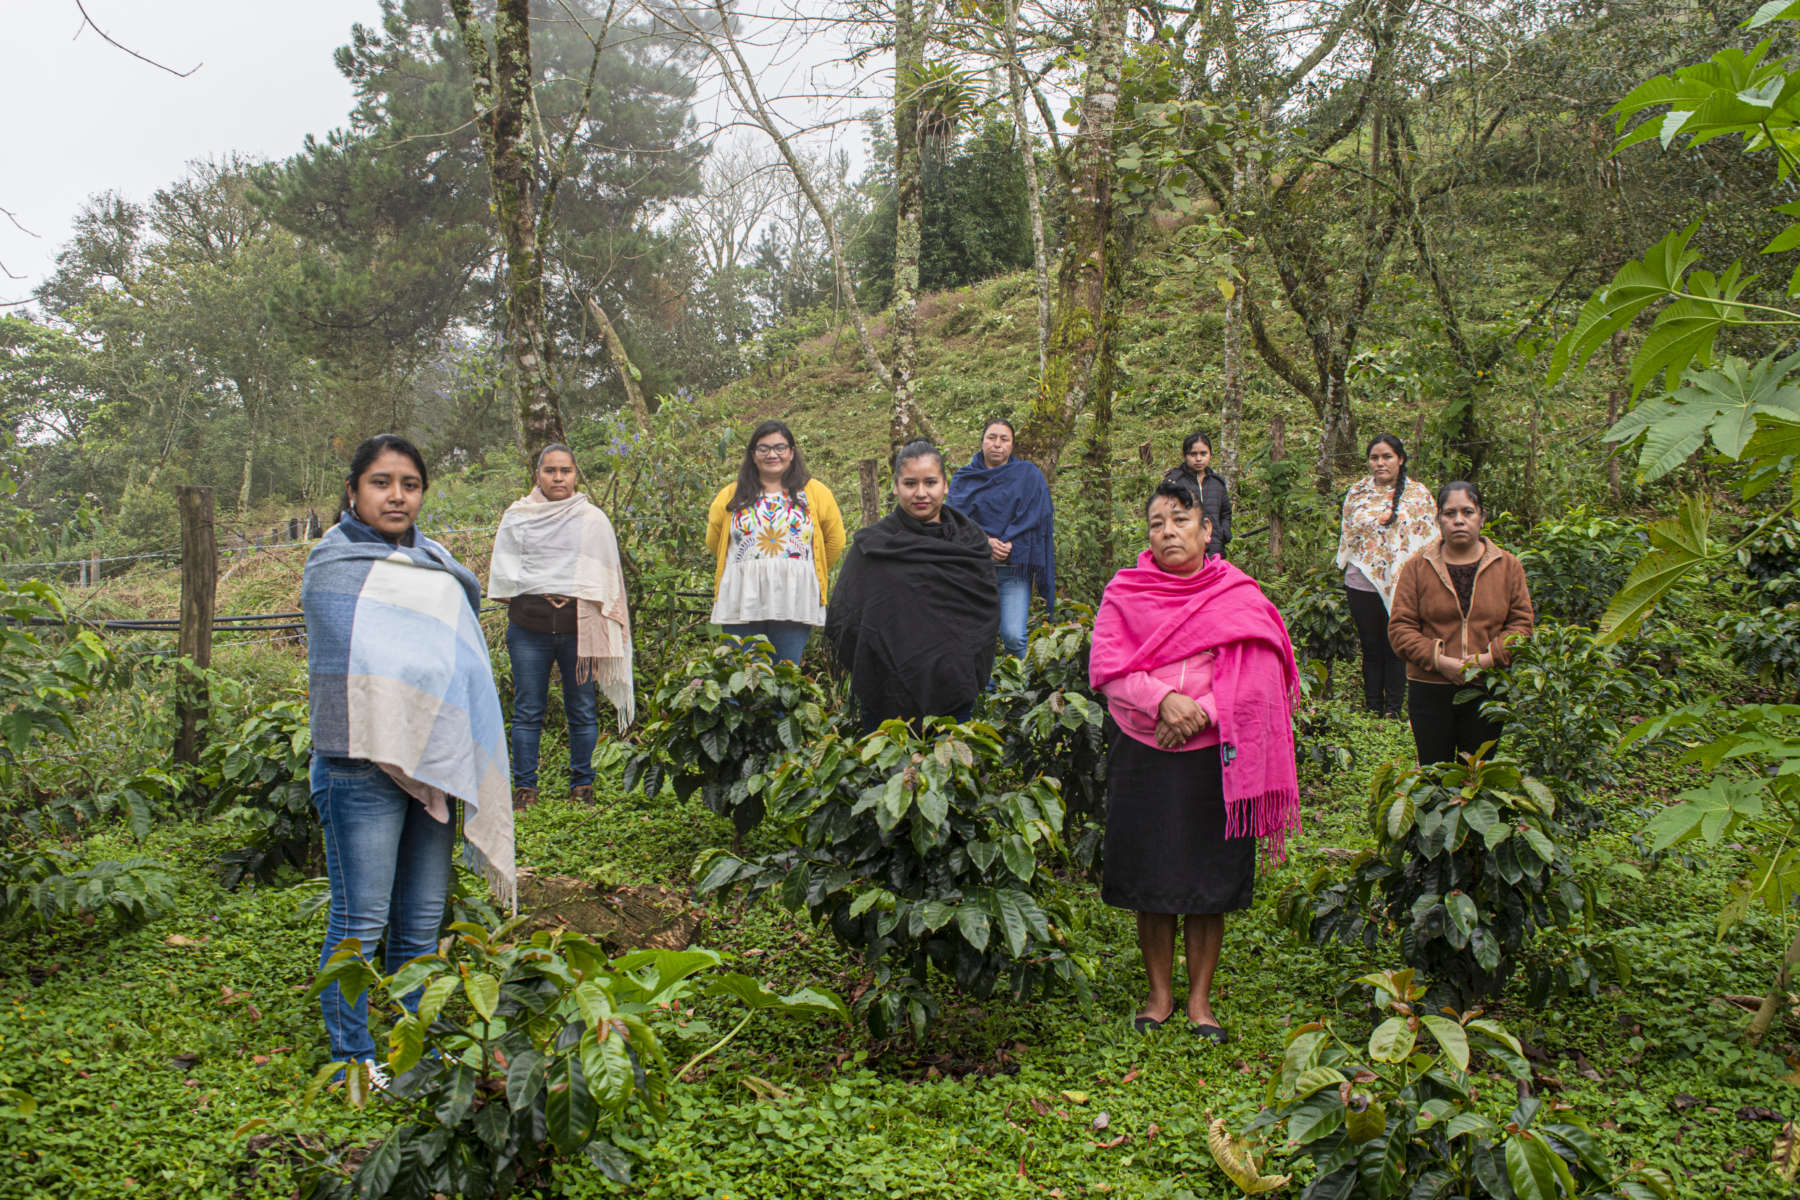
(919, 864)
(1565, 699)
(1758, 809)
(254, 775)
(1468, 865)
(1771, 556)
(45, 678)
(1054, 725)
(1394, 1114)
(1318, 619)
(1574, 565)
(1766, 643)
(1320, 739)
(511, 1055)
(720, 723)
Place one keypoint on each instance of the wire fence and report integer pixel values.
(245, 546)
(275, 628)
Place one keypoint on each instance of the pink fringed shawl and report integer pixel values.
(1149, 618)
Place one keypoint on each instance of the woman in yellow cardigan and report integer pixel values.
(775, 532)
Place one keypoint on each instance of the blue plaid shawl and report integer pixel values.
(1011, 502)
(400, 677)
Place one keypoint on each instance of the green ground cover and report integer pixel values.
(146, 1048)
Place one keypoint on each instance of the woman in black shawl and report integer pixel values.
(916, 608)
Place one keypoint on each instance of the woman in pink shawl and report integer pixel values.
(1198, 672)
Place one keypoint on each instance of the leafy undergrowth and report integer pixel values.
(145, 1048)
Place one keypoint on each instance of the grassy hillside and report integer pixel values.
(977, 359)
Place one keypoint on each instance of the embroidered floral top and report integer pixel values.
(1376, 550)
(773, 527)
(768, 573)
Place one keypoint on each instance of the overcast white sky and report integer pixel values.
(85, 117)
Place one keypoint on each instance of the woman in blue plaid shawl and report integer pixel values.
(405, 722)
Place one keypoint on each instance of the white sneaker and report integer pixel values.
(378, 1076)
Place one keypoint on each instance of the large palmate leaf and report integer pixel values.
(1677, 546)
(1740, 92)
(1772, 452)
(1774, 10)
(1724, 403)
(1637, 286)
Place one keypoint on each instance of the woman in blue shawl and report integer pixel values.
(405, 723)
(1010, 500)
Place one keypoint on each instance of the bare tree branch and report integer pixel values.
(88, 22)
(740, 79)
(13, 217)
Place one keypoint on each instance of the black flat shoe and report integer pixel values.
(1146, 1024)
(1211, 1033)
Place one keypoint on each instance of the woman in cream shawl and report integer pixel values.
(1387, 519)
(556, 564)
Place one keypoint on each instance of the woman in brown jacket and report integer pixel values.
(1457, 603)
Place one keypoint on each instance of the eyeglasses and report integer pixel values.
(775, 450)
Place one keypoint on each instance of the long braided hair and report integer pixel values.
(1399, 448)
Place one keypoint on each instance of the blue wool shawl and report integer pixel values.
(1011, 502)
(399, 676)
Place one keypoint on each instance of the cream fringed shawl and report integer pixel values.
(1377, 546)
(567, 548)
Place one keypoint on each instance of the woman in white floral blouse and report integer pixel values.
(1387, 518)
(775, 533)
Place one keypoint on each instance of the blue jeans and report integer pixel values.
(1015, 606)
(389, 865)
(532, 656)
(789, 637)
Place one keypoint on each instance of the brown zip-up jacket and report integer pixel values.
(1426, 620)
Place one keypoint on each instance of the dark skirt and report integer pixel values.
(1166, 849)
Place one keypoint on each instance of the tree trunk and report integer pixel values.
(615, 350)
(199, 582)
(869, 490)
(1231, 401)
(1277, 452)
(911, 31)
(502, 84)
(1033, 191)
(1075, 338)
(1530, 505)
(249, 473)
(1777, 995)
(1337, 435)
(246, 393)
(1615, 399)
(721, 44)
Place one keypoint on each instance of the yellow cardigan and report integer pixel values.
(828, 531)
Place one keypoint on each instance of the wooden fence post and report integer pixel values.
(1277, 452)
(199, 581)
(871, 492)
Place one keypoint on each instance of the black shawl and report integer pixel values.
(914, 616)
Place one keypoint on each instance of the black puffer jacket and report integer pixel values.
(1215, 502)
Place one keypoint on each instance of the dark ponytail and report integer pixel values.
(1399, 448)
